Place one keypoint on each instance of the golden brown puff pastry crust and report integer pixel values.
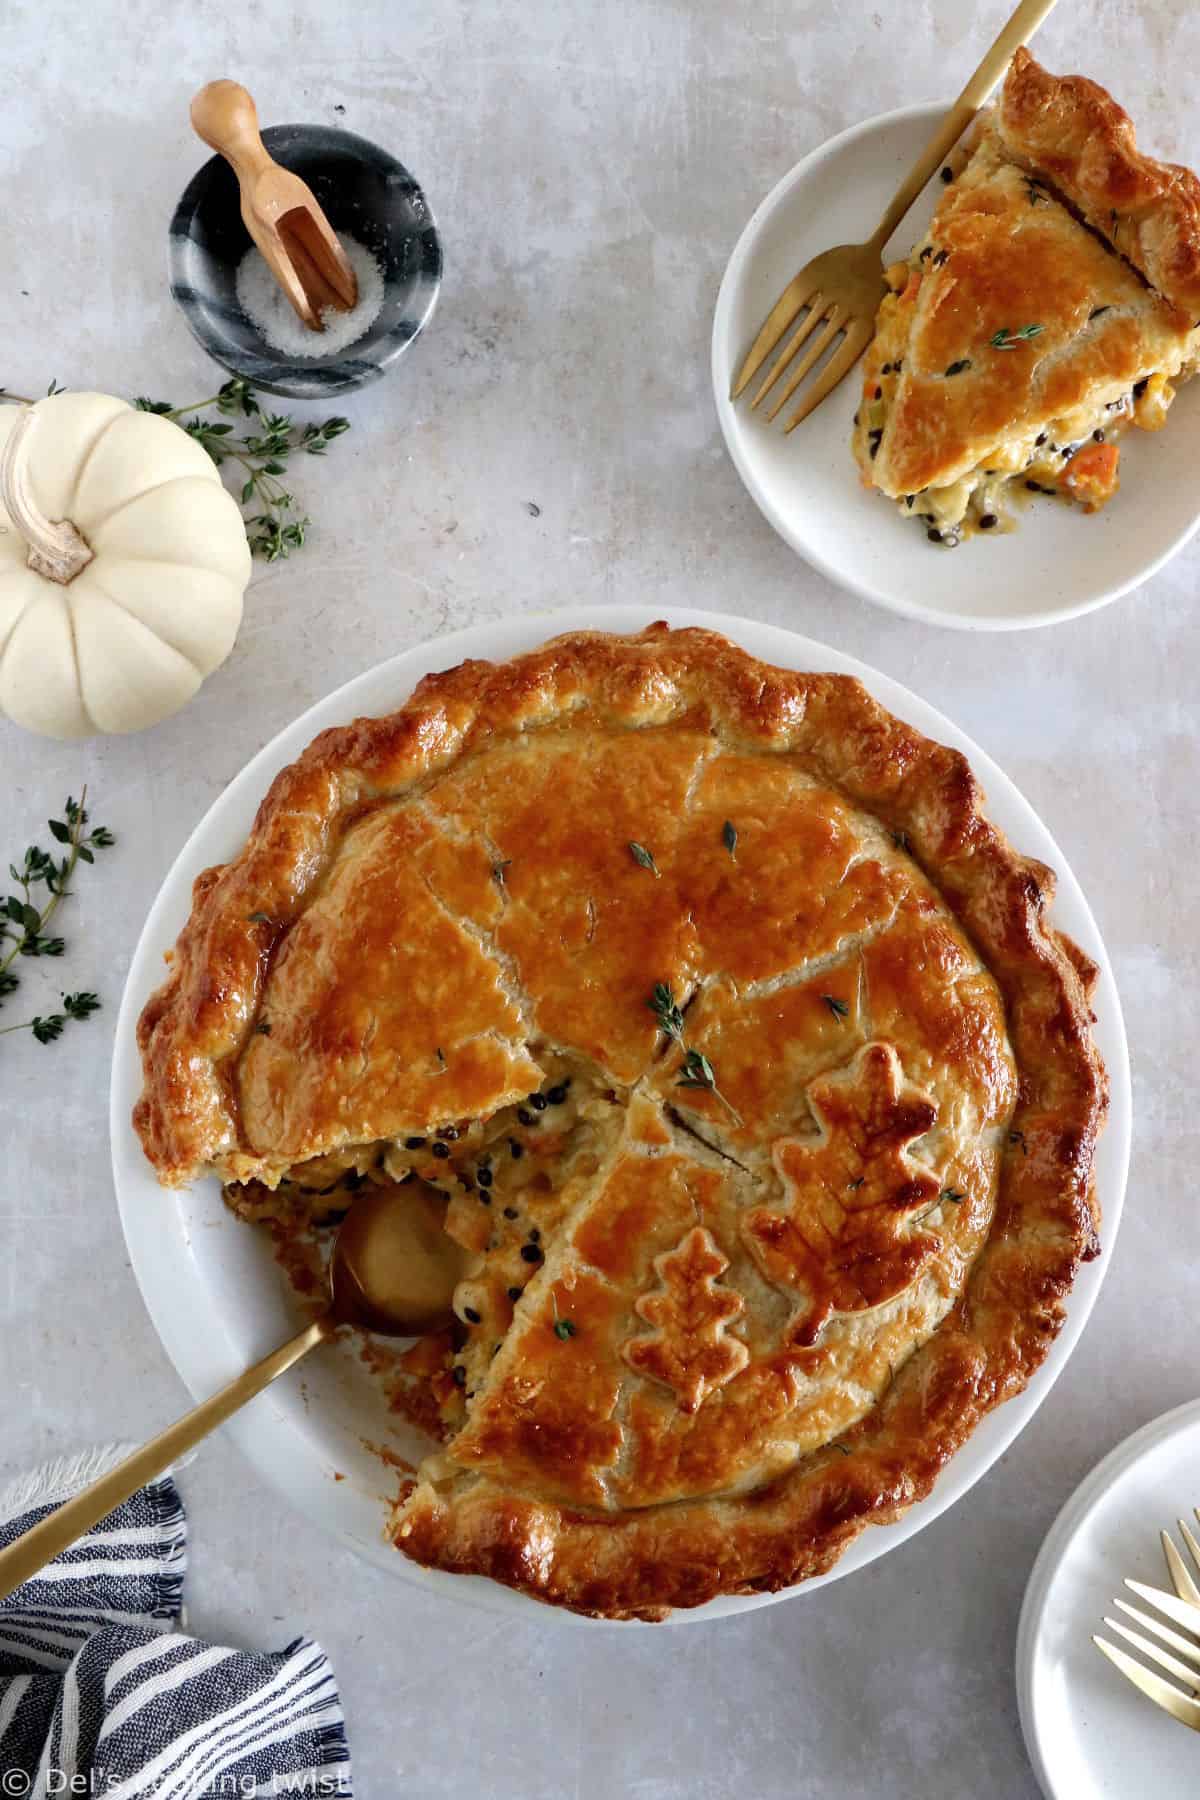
(757, 1318)
(1072, 133)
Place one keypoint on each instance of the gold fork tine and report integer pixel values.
(1163, 1658)
(1186, 1646)
(1180, 1707)
(835, 322)
(1181, 1580)
(796, 295)
(818, 309)
(1193, 1546)
(1181, 1611)
(858, 336)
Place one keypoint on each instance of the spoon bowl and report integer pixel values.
(394, 1271)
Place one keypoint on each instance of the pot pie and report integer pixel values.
(760, 1085)
(1051, 304)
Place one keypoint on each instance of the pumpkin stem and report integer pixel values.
(56, 549)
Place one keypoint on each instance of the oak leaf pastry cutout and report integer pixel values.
(690, 1351)
(844, 1242)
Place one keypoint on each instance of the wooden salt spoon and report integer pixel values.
(394, 1271)
(278, 209)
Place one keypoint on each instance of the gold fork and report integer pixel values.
(841, 289)
(1183, 1607)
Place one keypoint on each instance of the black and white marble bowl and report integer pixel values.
(366, 194)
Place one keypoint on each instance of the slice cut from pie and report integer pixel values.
(759, 1084)
(1051, 304)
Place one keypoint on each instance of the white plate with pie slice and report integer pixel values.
(211, 1284)
(1058, 563)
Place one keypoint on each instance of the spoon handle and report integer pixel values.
(225, 116)
(59, 1529)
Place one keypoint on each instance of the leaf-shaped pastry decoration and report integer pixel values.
(844, 1239)
(689, 1351)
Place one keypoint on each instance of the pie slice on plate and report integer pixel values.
(758, 1082)
(1051, 304)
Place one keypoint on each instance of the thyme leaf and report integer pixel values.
(262, 452)
(643, 857)
(663, 1005)
(1004, 339)
(729, 836)
(837, 1007)
(697, 1072)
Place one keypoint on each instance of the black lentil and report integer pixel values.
(414, 1143)
(1099, 436)
(485, 1199)
(483, 1176)
(943, 256)
(510, 1212)
(1040, 440)
(525, 1117)
(471, 1316)
(886, 369)
(441, 1151)
(514, 1293)
(531, 1254)
(934, 536)
(556, 1095)
(1139, 387)
(987, 521)
(460, 1375)
(947, 173)
(517, 1150)
(538, 1102)
(535, 1236)
(879, 393)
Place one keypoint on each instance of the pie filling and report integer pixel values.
(1074, 456)
(718, 1108)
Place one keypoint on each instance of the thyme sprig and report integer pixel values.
(262, 451)
(695, 1071)
(24, 925)
(1004, 339)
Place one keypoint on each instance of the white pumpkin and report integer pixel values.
(123, 562)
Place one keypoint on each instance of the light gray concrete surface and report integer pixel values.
(591, 167)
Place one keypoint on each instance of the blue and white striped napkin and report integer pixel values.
(97, 1689)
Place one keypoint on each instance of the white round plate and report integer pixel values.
(1058, 563)
(1090, 1734)
(212, 1287)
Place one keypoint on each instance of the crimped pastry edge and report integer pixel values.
(644, 1563)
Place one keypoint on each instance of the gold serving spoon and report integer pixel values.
(394, 1271)
(841, 289)
(279, 210)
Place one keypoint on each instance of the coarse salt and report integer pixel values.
(267, 306)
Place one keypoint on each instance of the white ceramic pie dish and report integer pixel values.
(1057, 564)
(212, 1287)
(1090, 1734)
